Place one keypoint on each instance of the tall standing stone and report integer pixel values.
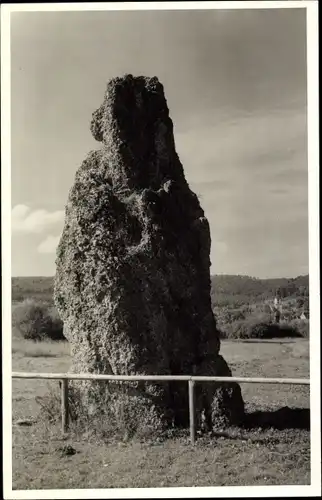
(133, 264)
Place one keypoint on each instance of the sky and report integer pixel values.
(235, 83)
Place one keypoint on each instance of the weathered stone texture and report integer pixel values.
(133, 267)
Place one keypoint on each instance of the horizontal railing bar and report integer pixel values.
(185, 378)
(92, 376)
(254, 380)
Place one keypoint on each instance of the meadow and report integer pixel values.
(272, 451)
(258, 456)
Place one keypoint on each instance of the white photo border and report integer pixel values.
(314, 489)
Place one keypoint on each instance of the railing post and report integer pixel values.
(192, 411)
(64, 405)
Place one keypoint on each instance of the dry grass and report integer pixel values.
(220, 462)
(236, 458)
(22, 348)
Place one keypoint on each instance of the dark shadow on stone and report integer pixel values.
(283, 418)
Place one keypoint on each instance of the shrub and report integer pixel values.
(248, 328)
(259, 329)
(36, 321)
(273, 330)
(56, 331)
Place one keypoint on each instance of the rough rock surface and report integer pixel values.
(133, 268)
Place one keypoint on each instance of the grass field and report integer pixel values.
(237, 457)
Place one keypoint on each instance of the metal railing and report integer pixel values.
(191, 379)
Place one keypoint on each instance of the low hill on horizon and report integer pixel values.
(237, 289)
(226, 289)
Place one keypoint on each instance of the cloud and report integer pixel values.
(25, 220)
(49, 245)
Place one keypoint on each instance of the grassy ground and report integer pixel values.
(238, 457)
